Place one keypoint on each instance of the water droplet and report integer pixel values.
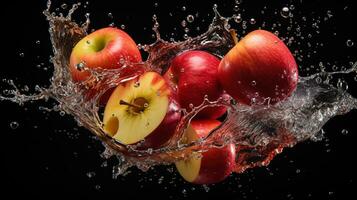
(252, 21)
(122, 26)
(187, 30)
(318, 80)
(238, 1)
(21, 54)
(14, 125)
(62, 113)
(146, 105)
(237, 18)
(38, 42)
(136, 84)
(90, 174)
(191, 105)
(355, 78)
(298, 171)
(341, 84)
(64, 6)
(190, 18)
(253, 83)
(285, 12)
(156, 4)
(183, 8)
(349, 43)
(80, 66)
(236, 8)
(344, 131)
(110, 15)
(183, 23)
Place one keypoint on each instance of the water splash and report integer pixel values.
(259, 132)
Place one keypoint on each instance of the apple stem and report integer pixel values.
(234, 35)
(122, 102)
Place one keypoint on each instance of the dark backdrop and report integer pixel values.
(48, 156)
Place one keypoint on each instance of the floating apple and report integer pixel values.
(107, 48)
(211, 166)
(259, 69)
(143, 108)
(195, 74)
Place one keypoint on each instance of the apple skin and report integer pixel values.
(166, 129)
(216, 163)
(259, 66)
(104, 49)
(195, 74)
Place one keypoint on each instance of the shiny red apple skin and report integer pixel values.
(106, 48)
(216, 163)
(195, 74)
(260, 66)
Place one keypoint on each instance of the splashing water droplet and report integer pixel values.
(349, 43)
(237, 18)
(38, 42)
(64, 6)
(14, 125)
(62, 113)
(190, 18)
(252, 21)
(253, 83)
(110, 15)
(344, 131)
(183, 23)
(236, 8)
(90, 174)
(285, 12)
(122, 26)
(21, 54)
(183, 8)
(238, 1)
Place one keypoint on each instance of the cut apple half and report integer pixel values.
(211, 166)
(139, 107)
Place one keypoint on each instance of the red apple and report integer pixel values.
(259, 69)
(195, 73)
(144, 108)
(107, 48)
(214, 165)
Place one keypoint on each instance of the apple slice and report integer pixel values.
(208, 167)
(143, 108)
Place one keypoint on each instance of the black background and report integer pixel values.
(48, 156)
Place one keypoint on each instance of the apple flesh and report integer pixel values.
(259, 69)
(144, 108)
(195, 74)
(107, 48)
(213, 165)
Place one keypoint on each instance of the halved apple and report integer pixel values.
(211, 166)
(144, 108)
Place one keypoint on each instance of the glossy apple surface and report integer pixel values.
(144, 108)
(107, 48)
(195, 74)
(212, 166)
(259, 69)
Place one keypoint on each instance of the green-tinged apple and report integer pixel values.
(213, 165)
(259, 69)
(144, 108)
(107, 48)
(195, 74)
